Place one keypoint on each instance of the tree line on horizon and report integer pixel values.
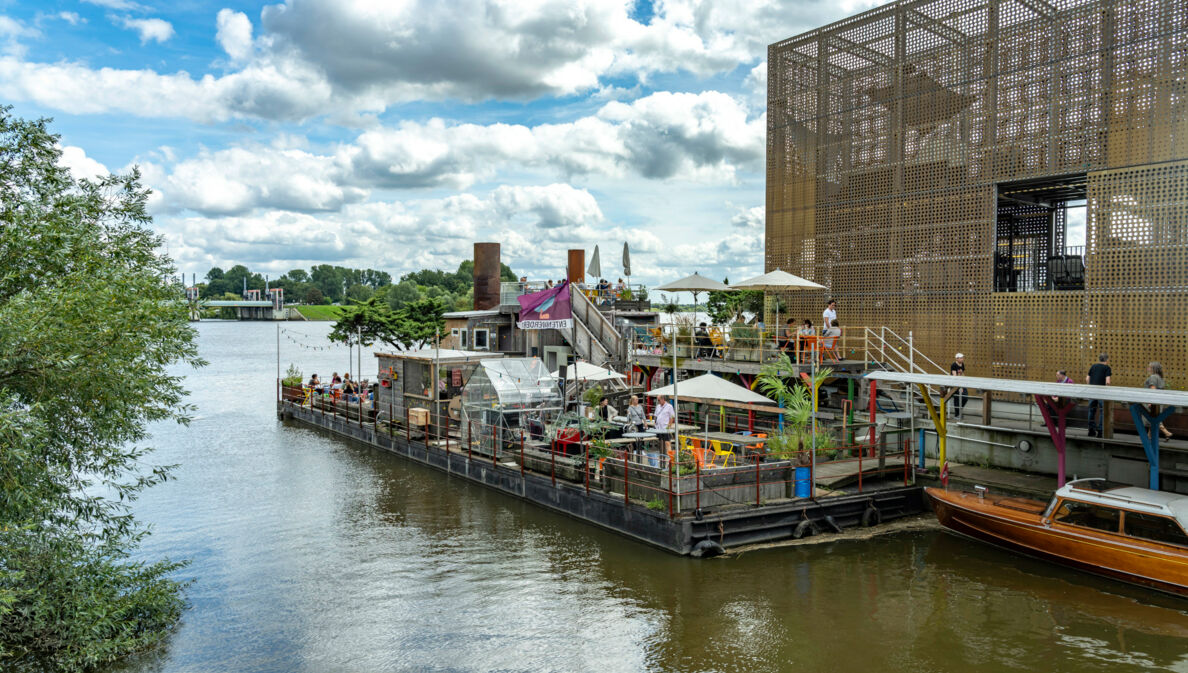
(329, 284)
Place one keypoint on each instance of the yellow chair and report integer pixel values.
(719, 341)
(723, 449)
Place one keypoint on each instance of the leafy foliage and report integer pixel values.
(725, 308)
(797, 400)
(367, 322)
(88, 332)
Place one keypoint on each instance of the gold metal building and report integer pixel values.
(1005, 178)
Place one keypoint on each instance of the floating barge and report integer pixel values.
(565, 485)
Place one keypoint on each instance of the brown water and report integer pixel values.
(311, 554)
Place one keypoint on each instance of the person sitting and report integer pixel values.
(605, 411)
(315, 382)
(832, 330)
(335, 379)
(705, 345)
(804, 335)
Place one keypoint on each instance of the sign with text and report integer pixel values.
(547, 309)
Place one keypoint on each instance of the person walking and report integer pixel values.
(1099, 374)
(829, 314)
(1155, 381)
(960, 397)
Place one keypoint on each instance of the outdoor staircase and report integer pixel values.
(594, 337)
(888, 351)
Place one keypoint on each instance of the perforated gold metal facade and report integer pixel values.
(902, 146)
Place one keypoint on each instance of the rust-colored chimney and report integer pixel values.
(577, 266)
(486, 276)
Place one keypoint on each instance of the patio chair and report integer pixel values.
(719, 342)
(829, 348)
(694, 447)
(723, 449)
(756, 448)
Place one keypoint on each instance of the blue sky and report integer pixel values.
(395, 134)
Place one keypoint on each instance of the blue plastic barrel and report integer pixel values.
(802, 483)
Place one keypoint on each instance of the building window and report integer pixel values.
(462, 341)
(1039, 241)
(480, 340)
(455, 338)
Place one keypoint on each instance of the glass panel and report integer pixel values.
(1155, 527)
(1084, 514)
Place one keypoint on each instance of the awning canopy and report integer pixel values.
(711, 387)
(586, 371)
(694, 283)
(777, 280)
(1081, 391)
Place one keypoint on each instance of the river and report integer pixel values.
(310, 554)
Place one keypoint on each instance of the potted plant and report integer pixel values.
(291, 389)
(743, 341)
(683, 332)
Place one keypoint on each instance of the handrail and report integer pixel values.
(912, 362)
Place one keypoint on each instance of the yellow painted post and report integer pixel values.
(938, 419)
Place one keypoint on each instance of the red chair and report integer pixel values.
(566, 437)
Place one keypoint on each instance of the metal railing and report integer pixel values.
(700, 475)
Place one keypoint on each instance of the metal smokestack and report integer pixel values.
(486, 276)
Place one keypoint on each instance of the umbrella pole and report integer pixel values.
(813, 464)
(676, 467)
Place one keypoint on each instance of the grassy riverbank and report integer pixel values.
(320, 311)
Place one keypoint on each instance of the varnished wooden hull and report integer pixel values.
(1018, 525)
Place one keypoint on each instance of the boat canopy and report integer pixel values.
(1113, 494)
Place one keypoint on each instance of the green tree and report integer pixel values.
(366, 322)
(88, 333)
(402, 293)
(313, 296)
(359, 292)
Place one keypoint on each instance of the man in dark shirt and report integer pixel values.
(1099, 375)
(960, 397)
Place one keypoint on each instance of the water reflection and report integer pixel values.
(314, 554)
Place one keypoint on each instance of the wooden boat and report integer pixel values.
(1119, 531)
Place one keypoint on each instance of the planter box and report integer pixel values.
(684, 351)
(632, 305)
(743, 354)
(719, 486)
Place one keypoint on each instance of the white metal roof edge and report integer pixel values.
(1080, 391)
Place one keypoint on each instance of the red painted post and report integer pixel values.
(697, 499)
(751, 420)
(586, 452)
(447, 436)
(860, 469)
(521, 452)
(391, 423)
(408, 428)
(553, 464)
(360, 412)
(494, 445)
(873, 392)
(469, 438)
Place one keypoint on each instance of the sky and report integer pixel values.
(393, 134)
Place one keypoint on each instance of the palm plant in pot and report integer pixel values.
(796, 398)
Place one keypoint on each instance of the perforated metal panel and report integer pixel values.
(890, 133)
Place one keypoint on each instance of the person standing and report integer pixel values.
(960, 397)
(1155, 381)
(635, 414)
(829, 314)
(1099, 374)
(665, 419)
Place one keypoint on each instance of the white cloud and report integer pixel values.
(80, 165)
(157, 30)
(703, 136)
(116, 4)
(398, 236)
(749, 218)
(354, 57)
(237, 180)
(234, 34)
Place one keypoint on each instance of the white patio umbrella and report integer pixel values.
(695, 283)
(713, 387)
(626, 261)
(595, 268)
(775, 281)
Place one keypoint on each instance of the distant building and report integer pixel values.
(1005, 178)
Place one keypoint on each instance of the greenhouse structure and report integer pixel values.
(508, 399)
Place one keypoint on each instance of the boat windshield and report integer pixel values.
(1087, 515)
